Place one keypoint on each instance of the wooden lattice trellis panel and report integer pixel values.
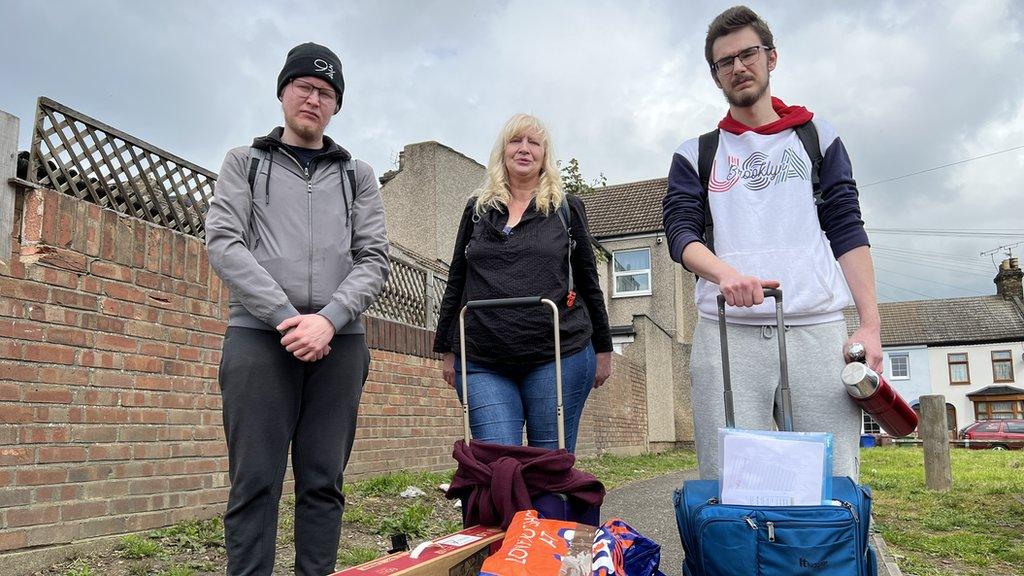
(404, 295)
(78, 155)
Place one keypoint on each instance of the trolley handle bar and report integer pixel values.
(775, 293)
(784, 392)
(505, 302)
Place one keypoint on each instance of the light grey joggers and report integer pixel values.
(820, 402)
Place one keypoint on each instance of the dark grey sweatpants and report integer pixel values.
(272, 401)
(820, 403)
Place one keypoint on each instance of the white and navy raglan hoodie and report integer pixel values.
(766, 223)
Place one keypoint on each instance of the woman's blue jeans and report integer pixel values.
(502, 397)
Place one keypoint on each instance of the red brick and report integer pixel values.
(100, 397)
(36, 476)
(92, 434)
(104, 323)
(156, 349)
(154, 382)
(127, 292)
(67, 375)
(80, 510)
(49, 353)
(30, 516)
(57, 257)
(18, 372)
(176, 368)
(10, 496)
(110, 270)
(102, 452)
(115, 342)
(59, 493)
(139, 433)
(68, 336)
(90, 473)
(103, 526)
(48, 455)
(47, 434)
(13, 539)
(21, 329)
(142, 364)
(100, 359)
(12, 456)
(73, 299)
(138, 253)
(14, 414)
(48, 395)
(153, 251)
(38, 536)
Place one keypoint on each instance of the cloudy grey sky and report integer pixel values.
(910, 85)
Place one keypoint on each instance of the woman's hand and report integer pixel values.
(604, 368)
(448, 368)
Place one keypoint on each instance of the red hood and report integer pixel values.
(789, 117)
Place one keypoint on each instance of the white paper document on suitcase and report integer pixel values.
(773, 469)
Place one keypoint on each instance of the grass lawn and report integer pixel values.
(976, 529)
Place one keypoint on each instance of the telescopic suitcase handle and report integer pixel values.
(787, 404)
(512, 303)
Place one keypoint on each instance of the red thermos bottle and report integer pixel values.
(876, 397)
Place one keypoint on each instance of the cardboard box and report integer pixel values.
(458, 554)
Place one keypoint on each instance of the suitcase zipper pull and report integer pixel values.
(852, 510)
(751, 523)
(771, 531)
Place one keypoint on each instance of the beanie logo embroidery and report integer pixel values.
(324, 66)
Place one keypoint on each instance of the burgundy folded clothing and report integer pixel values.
(496, 481)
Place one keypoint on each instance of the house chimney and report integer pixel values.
(1009, 279)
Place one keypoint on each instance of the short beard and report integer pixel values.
(748, 99)
(302, 131)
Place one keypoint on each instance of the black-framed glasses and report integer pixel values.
(748, 56)
(303, 89)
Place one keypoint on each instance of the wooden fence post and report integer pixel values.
(8, 169)
(938, 473)
(428, 301)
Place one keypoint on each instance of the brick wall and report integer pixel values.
(110, 335)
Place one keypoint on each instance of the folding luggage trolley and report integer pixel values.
(726, 539)
(552, 505)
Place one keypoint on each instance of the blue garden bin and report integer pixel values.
(867, 441)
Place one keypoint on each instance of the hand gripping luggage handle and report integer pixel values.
(787, 404)
(512, 303)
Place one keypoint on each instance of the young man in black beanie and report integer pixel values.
(296, 232)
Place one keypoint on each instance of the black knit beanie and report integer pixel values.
(311, 59)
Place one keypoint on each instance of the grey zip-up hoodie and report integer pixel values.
(299, 241)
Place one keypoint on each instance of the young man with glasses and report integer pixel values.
(772, 225)
(296, 232)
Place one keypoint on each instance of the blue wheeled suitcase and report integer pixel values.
(729, 539)
(552, 505)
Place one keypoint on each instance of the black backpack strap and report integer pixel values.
(707, 147)
(349, 168)
(256, 159)
(808, 135)
(566, 217)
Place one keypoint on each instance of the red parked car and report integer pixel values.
(995, 434)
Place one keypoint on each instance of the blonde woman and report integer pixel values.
(518, 235)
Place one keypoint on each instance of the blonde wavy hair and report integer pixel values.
(495, 192)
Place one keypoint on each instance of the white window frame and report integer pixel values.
(892, 371)
(615, 275)
(868, 424)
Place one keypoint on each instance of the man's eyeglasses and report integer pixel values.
(303, 89)
(725, 66)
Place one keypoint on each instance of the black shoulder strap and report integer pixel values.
(565, 216)
(808, 135)
(707, 147)
(351, 172)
